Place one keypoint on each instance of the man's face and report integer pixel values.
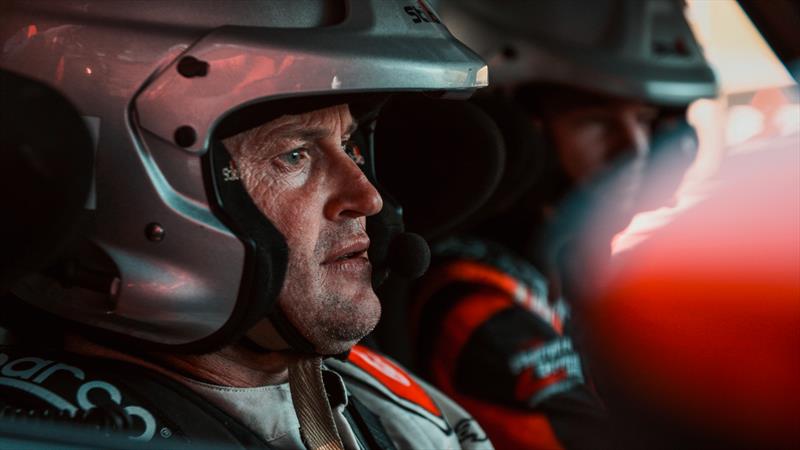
(299, 172)
(590, 138)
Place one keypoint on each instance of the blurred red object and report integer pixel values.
(701, 322)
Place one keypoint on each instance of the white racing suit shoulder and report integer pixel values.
(414, 414)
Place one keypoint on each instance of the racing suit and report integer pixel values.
(484, 332)
(376, 404)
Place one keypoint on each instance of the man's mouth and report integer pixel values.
(354, 250)
(351, 255)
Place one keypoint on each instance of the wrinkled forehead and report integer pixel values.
(318, 123)
(308, 126)
(339, 112)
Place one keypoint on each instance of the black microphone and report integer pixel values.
(409, 255)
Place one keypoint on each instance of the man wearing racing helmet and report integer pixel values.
(578, 90)
(233, 232)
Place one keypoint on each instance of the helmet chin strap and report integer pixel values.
(275, 333)
(309, 398)
(310, 401)
(264, 335)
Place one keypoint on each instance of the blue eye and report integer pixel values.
(293, 157)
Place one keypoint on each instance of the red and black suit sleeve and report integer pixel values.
(482, 341)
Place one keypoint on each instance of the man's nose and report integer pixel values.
(352, 194)
(633, 139)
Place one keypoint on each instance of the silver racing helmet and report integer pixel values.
(641, 49)
(175, 255)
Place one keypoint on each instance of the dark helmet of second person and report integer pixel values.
(551, 57)
(641, 49)
(173, 257)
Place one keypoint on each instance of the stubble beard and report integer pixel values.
(332, 321)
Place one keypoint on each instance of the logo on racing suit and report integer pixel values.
(545, 369)
(31, 375)
(393, 378)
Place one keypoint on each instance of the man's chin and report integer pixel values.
(336, 348)
(340, 340)
(341, 335)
